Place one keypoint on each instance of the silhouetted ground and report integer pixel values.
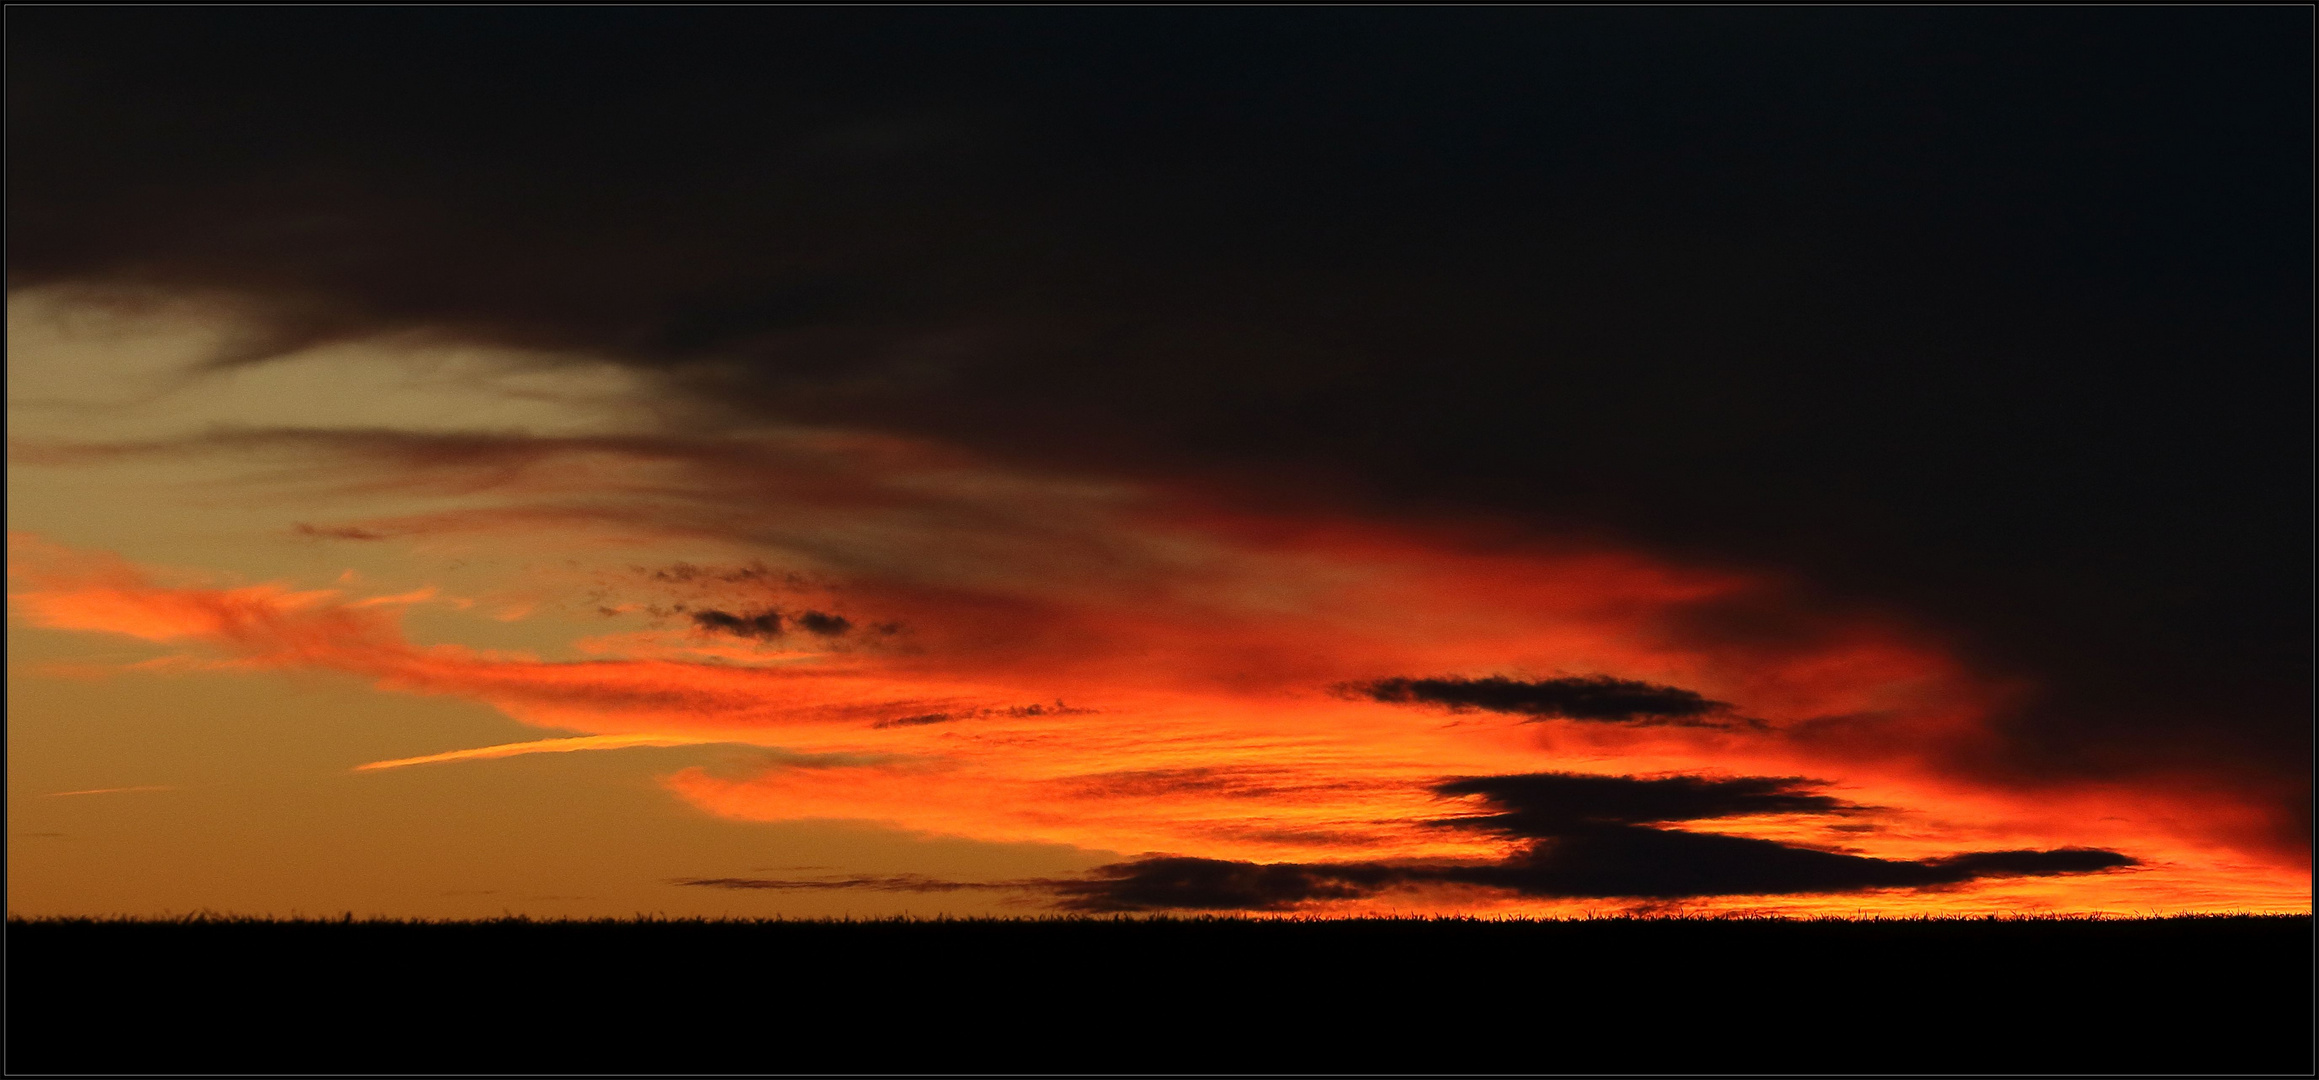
(2200, 995)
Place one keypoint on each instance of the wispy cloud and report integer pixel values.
(109, 790)
(538, 746)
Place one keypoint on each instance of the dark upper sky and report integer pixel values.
(1997, 318)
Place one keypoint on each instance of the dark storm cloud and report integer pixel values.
(1589, 837)
(1998, 318)
(1593, 697)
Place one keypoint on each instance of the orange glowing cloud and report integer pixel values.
(1008, 661)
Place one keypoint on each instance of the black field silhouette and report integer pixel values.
(2216, 994)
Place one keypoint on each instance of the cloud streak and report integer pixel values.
(109, 790)
(1598, 698)
(536, 746)
(1549, 804)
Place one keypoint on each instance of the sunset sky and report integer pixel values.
(819, 461)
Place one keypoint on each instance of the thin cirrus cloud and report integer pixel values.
(109, 790)
(537, 746)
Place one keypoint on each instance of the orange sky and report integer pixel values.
(1103, 671)
(980, 676)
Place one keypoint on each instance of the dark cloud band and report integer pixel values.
(1584, 837)
(1592, 697)
(1550, 804)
